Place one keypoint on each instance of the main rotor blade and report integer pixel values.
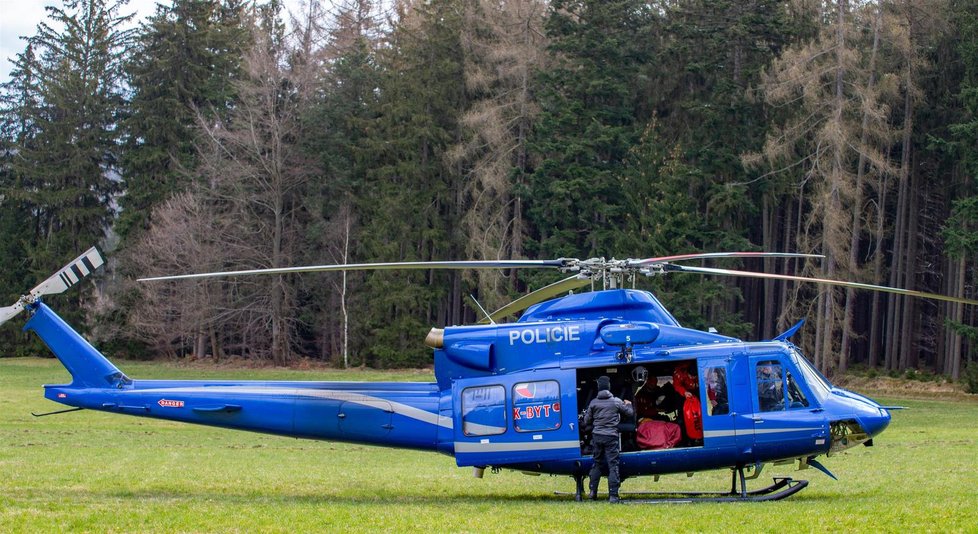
(715, 255)
(826, 281)
(544, 293)
(423, 265)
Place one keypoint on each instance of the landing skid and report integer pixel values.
(783, 487)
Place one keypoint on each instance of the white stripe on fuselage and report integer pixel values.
(469, 447)
(744, 432)
(347, 396)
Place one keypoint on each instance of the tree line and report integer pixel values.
(216, 136)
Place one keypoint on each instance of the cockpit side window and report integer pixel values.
(818, 386)
(770, 387)
(796, 398)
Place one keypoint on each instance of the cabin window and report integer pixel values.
(536, 406)
(770, 390)
(716, 391)
(484, 410)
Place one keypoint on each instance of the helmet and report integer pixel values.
(640, 374)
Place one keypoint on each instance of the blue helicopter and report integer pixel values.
(512, 395)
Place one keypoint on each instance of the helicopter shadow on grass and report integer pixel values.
(388, 498)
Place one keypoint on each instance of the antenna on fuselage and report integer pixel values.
(482, 310)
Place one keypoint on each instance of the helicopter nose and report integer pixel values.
(873, 424)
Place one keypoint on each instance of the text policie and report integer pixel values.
(550, 334)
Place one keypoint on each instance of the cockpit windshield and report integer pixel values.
(819, 385)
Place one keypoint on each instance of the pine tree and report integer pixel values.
(410, 203)
(184, 62)
(589, 100)
(961, 229)
(19, 100)
(338, 124)
(504, 49)
(838, 134)
(661, 218)
(64, 104)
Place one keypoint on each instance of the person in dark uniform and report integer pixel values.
(604, 413)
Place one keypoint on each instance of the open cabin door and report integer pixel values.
(515, 418)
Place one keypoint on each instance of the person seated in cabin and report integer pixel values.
(668, 403)
(770, 394)
(684, 380)
(645, 402)
(717, 391)
(646, 396)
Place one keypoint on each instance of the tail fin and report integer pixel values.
(88, 367)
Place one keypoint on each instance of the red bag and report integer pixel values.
(693, 417)
(653, 434)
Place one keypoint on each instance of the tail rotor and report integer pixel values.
(66, 277)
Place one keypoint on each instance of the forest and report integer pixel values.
(234, 134)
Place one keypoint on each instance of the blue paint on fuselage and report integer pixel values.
(557, 340)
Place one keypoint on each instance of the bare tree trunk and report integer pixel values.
(906, 272)
(200, 345)
(955, 353)
(908, 352)
(215, 344)
(768, 237)
(857, 211)
(895, 304)
(833, 207)
(343, 310)
(952, 341)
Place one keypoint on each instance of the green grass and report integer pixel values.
(98, 472)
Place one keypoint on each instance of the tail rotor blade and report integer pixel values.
(10, 312)
(70, 274)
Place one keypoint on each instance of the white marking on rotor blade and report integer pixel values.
(347, 396)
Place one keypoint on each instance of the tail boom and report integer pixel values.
(392, 414)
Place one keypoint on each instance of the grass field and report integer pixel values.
(98, 472)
